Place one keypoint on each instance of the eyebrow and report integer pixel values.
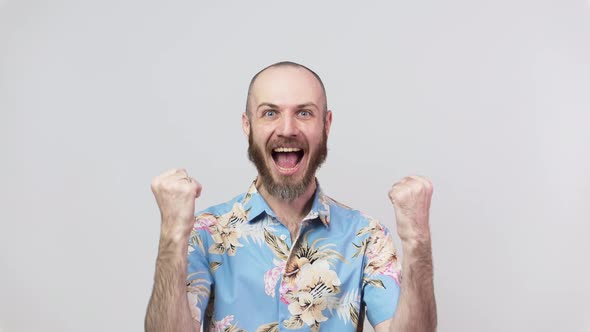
(267, 104)
(298, 106)
(307, 105)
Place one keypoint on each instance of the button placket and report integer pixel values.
(283, 311)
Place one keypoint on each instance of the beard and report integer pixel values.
(285, 188)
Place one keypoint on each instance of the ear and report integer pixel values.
(246, 124)
(328, 122)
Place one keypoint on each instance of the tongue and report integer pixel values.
(287, 159)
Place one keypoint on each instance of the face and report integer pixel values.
(287, 130)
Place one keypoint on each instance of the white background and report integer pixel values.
(490, 99)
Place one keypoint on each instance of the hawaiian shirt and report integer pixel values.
(245, 274)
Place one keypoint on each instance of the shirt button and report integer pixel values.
(283, 237)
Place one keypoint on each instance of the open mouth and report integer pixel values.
(287, 159)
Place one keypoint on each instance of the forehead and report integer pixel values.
(287, 86)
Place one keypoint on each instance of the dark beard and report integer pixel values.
(287, 191)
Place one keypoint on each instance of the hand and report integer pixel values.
(176, 193)
(411, 200)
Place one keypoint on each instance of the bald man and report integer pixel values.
(283, 255)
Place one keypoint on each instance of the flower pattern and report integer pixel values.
(226, 232)
(380, 253)
(272, 276)
(225, 325)
(320, 277)
(315, 285)
(197, 291)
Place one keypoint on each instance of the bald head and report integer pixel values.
(281, 73)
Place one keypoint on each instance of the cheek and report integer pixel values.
(260, 137)
(315, 137)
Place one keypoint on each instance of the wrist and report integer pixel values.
(415, 238)
(173, 241)
(176, 229)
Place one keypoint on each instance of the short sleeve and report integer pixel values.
(381, 275)
(199, 278)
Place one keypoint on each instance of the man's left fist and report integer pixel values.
(411, 200)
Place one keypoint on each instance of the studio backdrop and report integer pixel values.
(489, 99)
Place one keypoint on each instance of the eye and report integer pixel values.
(269, 113)
(305, 113)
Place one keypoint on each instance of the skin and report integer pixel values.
(288, 88)
(416, 309)
(168, 309)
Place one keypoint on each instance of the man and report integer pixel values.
(283, 255)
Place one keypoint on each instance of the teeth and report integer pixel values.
(286, 150)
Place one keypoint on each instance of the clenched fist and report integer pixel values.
(411, 200)
(176, 193)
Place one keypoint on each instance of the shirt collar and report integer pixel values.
(255, 204)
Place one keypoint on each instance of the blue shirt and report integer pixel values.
(245, 274)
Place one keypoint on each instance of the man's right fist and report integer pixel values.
(176, 193)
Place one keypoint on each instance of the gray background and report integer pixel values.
(489, 99)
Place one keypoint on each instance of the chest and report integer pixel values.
(282, 278)
(294, 229)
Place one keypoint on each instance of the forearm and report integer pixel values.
(168, 308)
(416, 310)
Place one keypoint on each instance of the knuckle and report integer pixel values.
(426, 185)
(156, 184)
(395, 194)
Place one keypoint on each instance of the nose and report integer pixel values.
(288, 126)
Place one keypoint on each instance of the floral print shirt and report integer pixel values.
(245, 273)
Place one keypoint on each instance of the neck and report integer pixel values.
(289, 211)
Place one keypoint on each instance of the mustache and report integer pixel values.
(285, 142)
